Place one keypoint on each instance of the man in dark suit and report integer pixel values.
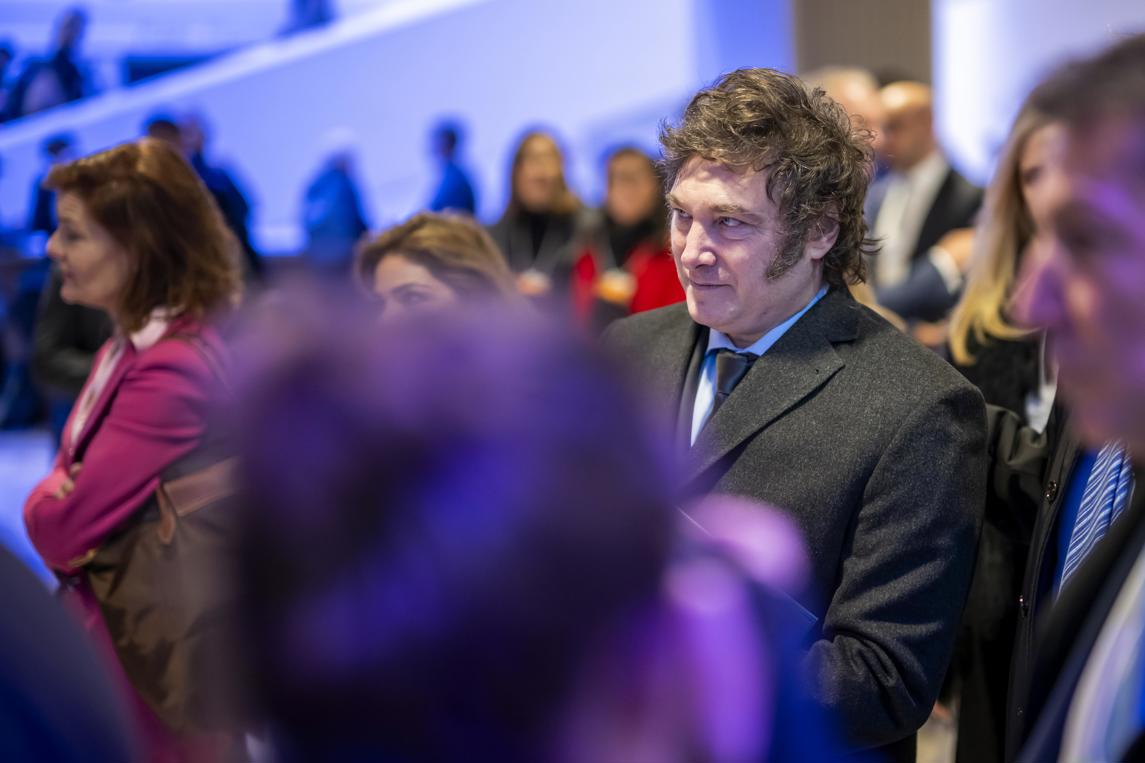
(913, 206)
(1085, 284)
(784, 389)
(1037, 476)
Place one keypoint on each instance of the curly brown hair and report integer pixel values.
(181, 254)
(819, 164)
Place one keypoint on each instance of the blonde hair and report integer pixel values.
(454, 248)
(1005, 230)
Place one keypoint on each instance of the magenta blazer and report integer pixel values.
(152, 411)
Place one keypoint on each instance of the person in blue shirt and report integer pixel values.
(454, 190)
(332, 215)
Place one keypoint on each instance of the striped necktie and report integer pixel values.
(1106, 494)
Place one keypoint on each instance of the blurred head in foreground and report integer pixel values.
(458, 548)
(1083, 280)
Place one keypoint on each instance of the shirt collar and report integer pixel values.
(152, 331)
(717, 340)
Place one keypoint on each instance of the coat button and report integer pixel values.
(1051, 491)
(1023, 606)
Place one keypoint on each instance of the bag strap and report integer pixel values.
(189, 493)
(207, 473)
(213, 446)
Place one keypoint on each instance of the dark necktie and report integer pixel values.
(731, 367)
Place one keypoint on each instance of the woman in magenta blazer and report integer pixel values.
(140, 238)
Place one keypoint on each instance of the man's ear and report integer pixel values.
(822, 236)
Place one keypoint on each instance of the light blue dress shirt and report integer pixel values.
(706, 390)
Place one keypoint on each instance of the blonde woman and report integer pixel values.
(1004, 361)
(985, 344)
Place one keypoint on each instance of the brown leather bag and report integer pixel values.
(164, 586)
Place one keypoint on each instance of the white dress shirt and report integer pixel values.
(706, 390)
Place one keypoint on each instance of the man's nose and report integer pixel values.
(698, 250)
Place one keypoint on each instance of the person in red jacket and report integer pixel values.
(624, 265)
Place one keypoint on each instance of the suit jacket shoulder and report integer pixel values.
(649, 325)
(890, 373)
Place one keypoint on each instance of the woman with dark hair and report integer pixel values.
(542, 215)
(624, 265)
(140, 239)
(431, 261)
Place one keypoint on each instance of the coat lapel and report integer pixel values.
(937, 220)
(106, 395)
(670, 356)
(801, 362)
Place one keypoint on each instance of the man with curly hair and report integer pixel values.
(782, 388)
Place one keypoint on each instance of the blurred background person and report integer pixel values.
(59, 77)
(431, 262)
(454, 189)
(22, 401)
(475, 595)
(56, 150)
(1004, 361)
(332, 212)
(140, 240)
(857, 91)
(542, 216)
(21, 404)
(308, 14)
(986, 344)
(624, 265)
(191, 143)
(65, 341)
(163, 127)
(911, 209)
(232, 200)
